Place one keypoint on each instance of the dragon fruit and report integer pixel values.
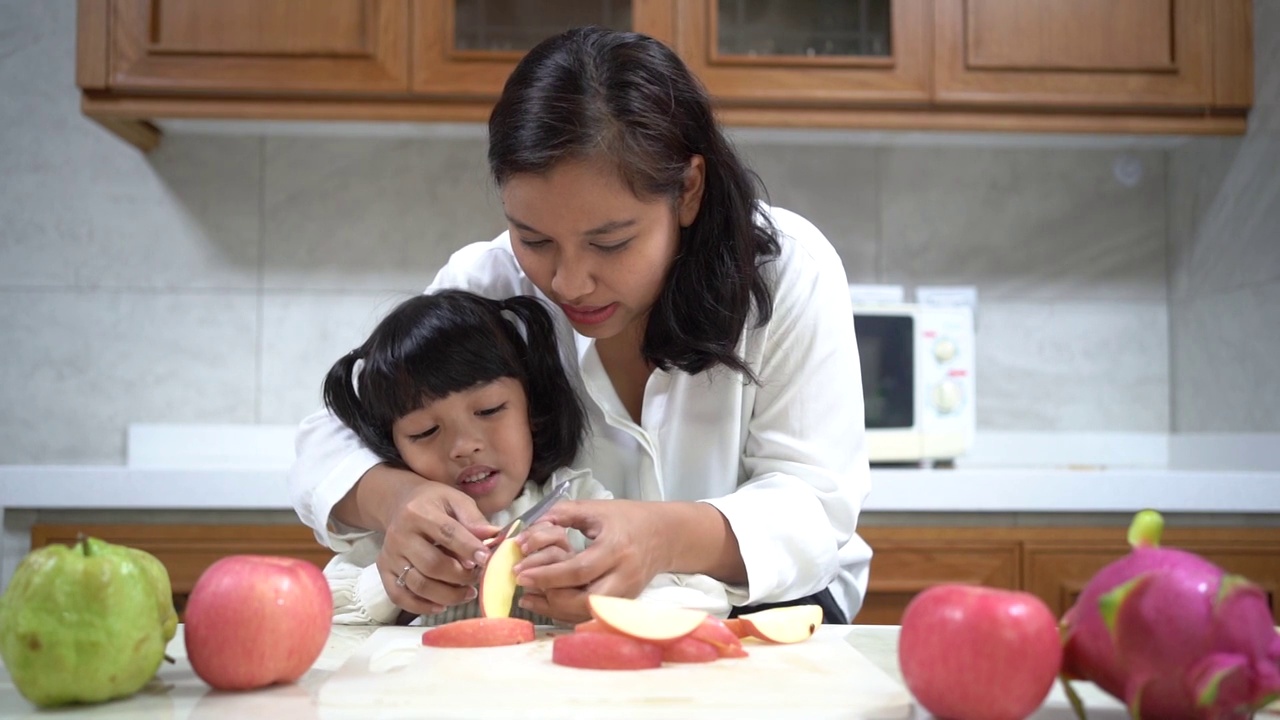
(1172, 635)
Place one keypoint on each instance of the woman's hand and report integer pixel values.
(434, 532)
(628, 549)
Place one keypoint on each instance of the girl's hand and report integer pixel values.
(628, 550)
(434, 532)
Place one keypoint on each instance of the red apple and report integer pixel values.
(480, 632)
(978, 653)
(605, 651)
(715, 632)
(689, 649)
(256, 620)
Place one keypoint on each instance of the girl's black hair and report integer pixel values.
(440, 343)
(629, 99)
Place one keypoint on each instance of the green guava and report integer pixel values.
(86, 623)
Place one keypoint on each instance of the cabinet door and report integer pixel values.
(275, 46)
(816, 53)
(1057, 571)
(467, 48)
(1100, 53)
(901, 568)
(187, 550)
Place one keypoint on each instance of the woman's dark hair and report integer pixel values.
(629, 99)
(440, 343)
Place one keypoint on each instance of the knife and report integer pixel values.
(530, 516)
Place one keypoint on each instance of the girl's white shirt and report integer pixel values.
(784, 460)
(360, 597)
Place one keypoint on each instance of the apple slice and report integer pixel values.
(735, 626)
(715, 632)
(604, 651)
(643, 620)
(498, 582)
(689, 649)
(592, 625)
(480, 632)
(783, 625)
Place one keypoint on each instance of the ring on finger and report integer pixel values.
(403, 573)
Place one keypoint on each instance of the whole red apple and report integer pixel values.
(969, 652)
(256, 620)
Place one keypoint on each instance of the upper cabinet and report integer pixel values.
(1181, 66)
(1092, 53)
(808, 52)
(467, 48)
(273, 46)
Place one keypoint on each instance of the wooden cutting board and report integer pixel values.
(391, 676)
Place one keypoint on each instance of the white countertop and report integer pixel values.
(177, 693)
(893, 490)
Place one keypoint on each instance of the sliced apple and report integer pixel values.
(498, 582)
(592, 625)
(715, 632)
(644, 620)
(735, 626)
(783, 625)
(604, 651)
(689, 649)
(480, 632)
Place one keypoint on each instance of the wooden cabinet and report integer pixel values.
(186, 550)
(277, 47)
(1091, 53)
(753, 53)
(1053, 563)
(467, 48)
(1182, 66)
(909, 561)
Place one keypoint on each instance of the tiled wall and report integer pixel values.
(1224, 197)
(215, 279)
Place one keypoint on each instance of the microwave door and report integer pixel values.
(886, 352)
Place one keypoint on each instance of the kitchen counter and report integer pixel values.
(53, 487)
(177, 693)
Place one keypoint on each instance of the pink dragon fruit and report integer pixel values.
(1172, 635)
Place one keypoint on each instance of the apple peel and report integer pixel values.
(480, 632)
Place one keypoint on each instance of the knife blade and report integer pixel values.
(530, 516)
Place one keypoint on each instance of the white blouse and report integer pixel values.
(784, 460)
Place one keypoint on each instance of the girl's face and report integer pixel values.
(592, 246)
(476, 440)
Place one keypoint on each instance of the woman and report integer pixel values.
(709, 336)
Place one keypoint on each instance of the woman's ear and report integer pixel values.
(691, 194)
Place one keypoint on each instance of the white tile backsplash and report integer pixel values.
(1096, 367)
(372, 214)
(1042, 225)
(79, 366)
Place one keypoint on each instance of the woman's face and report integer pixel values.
(592, 246)
(477, 440)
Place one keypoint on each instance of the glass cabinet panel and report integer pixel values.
(518, 25)
(803, 28)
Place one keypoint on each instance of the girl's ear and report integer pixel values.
(691, 193)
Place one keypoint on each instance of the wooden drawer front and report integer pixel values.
(1057, 572)
(900, 569)
(280, 46)
(187, 550)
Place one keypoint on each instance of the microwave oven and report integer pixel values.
(918, 381)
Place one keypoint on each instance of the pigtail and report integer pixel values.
(341, 398)
(556, 415)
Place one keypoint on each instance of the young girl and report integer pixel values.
(471, 393)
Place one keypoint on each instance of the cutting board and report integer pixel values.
(392, 676)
